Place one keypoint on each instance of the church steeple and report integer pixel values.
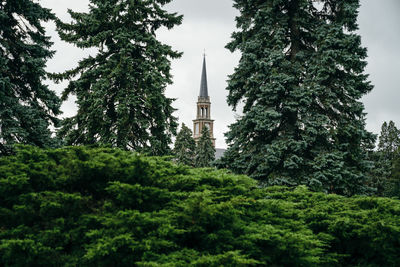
(204, 85)
(203, 118)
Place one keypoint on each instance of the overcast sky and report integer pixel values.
(208, 25)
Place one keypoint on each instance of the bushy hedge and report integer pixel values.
(105, 207)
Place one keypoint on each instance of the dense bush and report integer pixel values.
(105, 207)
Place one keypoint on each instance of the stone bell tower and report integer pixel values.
(203, 118)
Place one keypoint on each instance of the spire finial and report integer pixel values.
(203, 85)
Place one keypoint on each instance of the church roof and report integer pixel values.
(203, 85)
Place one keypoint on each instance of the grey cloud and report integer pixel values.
(215, 11)
(379, 29)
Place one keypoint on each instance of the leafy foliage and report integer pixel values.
(27, 107)
(205, 151)
(106, 207)
(185, 146)
(300, 78)
(120, 91)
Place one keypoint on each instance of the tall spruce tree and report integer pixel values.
(300, 78)
(205, 151)
(27, 106)
(120, 91)
(185, 146)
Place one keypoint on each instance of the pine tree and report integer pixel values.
(120, 90)
(300, 79)
(185, 146)
(205, 151)
(27, 106)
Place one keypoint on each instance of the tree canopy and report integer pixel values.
(28, 108)
(107, 207)
(120, 90)
(300, 78)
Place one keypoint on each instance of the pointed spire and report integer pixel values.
(203, 85)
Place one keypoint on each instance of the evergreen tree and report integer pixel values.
(205, 151)
(120, 91)
(386, 161)
(389, 140)
(379, 174)
(27, 106)
(185, 146)
(301, 79)
(393, 183)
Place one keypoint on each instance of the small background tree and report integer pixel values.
(393, 182)
(386, 171)
(385, 159)
(379, 174)
(389, 140)
(205, 151)
(185, 146)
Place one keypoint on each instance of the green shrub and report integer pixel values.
(106, 207)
